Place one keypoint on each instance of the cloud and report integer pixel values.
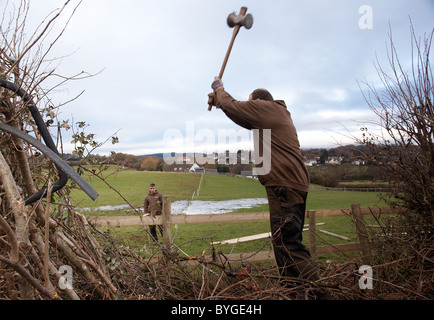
(158, 60)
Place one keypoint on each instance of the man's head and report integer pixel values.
(152, 188)
(261, 94)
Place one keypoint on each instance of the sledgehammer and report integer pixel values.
(236, 22)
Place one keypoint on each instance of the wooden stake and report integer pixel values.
(311, 214)
(47, 235)
(167, 229)
(359, 222)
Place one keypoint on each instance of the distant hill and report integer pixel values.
(347, 151)
(158, 155)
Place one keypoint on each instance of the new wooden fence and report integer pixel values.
(166, 220)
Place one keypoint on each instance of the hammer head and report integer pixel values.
(241, 20)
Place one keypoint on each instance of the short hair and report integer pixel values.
(262, 94)
(152, 185)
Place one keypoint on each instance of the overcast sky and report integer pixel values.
(158, 59)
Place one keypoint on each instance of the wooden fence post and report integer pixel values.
(167, 229)
(359, 222)
(311, 214)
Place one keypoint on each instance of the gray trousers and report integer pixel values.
(287, 212)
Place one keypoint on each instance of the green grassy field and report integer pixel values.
(133, 185)
(193, 239)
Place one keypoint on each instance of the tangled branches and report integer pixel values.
(48, 250)
(404, 257)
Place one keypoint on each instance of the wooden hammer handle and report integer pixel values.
(225, 61)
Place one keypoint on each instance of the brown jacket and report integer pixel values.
(154, 203)
(287, 164)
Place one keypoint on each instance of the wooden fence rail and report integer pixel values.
(166, 219)
(118, 221)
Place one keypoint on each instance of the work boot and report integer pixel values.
(318, 294)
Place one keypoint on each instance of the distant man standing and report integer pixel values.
(286, 183)
(153, 207)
